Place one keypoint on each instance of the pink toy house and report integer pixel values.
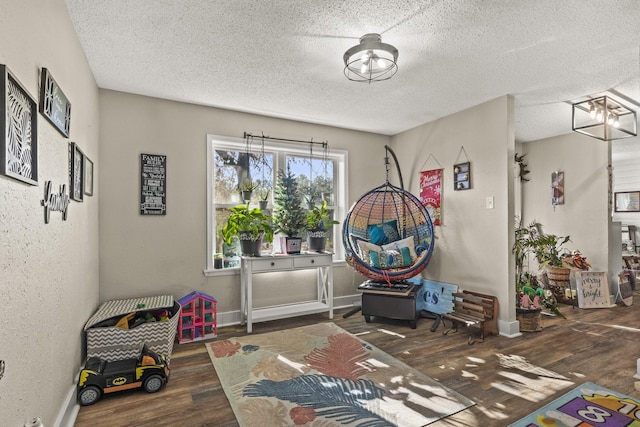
(198, 318)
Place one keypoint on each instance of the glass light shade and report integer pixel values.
(371, 60)
(604, 118)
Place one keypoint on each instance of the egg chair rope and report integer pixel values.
(389, 206)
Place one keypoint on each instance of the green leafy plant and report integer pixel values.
(250, 221)
(319, 218)
(264, 194)
(288, 215)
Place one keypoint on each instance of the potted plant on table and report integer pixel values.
(288, 215)
(318, 222)
(251, 226)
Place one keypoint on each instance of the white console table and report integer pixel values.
(322, 262)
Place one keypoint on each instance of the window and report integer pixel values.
(233, 162)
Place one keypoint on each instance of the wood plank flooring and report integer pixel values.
(508, 378)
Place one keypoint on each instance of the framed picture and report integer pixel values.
(76, 173)
(54, 105)
(462, 176)
(88, 176)
(627, 201)
(19, 124)
(557, 188)
(153, 184)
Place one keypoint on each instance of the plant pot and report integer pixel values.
(290, 245)
(530, 319)
(263, 204)
(558, 279)
(250, 246)
(317, 240)
(246, 195)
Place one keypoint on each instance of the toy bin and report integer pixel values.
(110, 342)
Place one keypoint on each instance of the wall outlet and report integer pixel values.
(490, 202)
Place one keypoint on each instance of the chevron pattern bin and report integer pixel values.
(112, 343)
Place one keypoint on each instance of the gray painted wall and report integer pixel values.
(48, 273)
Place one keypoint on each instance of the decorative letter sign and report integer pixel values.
(153, 179)
(54, 202)
(593, 289)
(430, 193)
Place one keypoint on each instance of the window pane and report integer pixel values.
(315, 178)
(232, 168)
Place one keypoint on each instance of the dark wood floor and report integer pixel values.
(508, 378)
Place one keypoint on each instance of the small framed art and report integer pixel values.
(627, 201)
(19, 124)
(54, 104)
(88, 176)
(462, 176)
(76, 173)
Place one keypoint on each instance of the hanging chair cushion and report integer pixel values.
(381, 234)
(400, 253)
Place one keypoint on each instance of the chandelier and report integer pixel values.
(604, 118)
(371, 60)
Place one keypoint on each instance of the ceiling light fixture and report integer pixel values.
(371, 60)
(604, 118)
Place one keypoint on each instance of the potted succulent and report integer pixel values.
(264, 198)
(288, 215)
(318, 221)
(246, 188)
(251, 226)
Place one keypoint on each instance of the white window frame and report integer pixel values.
(340, 157)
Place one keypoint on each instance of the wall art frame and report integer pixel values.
(88, 176)
(153, 184)
(54, 104)
(627, 201)
(76, 173)
(19, 124)
(462, 176)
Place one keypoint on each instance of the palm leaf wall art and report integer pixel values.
(18, 120)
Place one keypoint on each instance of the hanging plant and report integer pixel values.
(523, 172)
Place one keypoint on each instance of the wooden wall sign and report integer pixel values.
(54, 201)
(153, 184)
(593, 289)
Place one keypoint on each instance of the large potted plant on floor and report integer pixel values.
(318, 222)
(288, 215)
(531, 297)
(251, 226)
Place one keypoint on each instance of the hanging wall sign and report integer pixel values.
(557, 188)
(462, 176)
(153, 180)
(430, 193)
(54, 105)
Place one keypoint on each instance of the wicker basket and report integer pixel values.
(530, 320)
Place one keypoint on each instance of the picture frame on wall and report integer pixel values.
(76, 173)
(19, 124)
(462, 176)
(627, 201)
(54, 104)
(88, 176)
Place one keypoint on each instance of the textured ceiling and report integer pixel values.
(283, 58)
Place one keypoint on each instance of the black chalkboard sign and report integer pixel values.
(153, 184)
(54, 105)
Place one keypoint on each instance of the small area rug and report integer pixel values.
(588, 405)
(321, 375)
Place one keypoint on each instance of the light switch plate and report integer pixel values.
(490, 202)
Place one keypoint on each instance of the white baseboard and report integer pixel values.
(69, 411)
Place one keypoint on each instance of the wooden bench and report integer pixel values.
(475, 311)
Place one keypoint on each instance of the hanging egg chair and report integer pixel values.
(388, 233)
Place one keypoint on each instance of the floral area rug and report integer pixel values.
(588, 405)
(321, 376)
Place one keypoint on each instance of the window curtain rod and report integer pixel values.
(270, 138)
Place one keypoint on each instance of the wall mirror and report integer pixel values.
(627, 201)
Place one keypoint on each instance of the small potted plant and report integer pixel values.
(318, 222)
(246, 188)
(288, 215)
(264, 198)
(251, 226)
